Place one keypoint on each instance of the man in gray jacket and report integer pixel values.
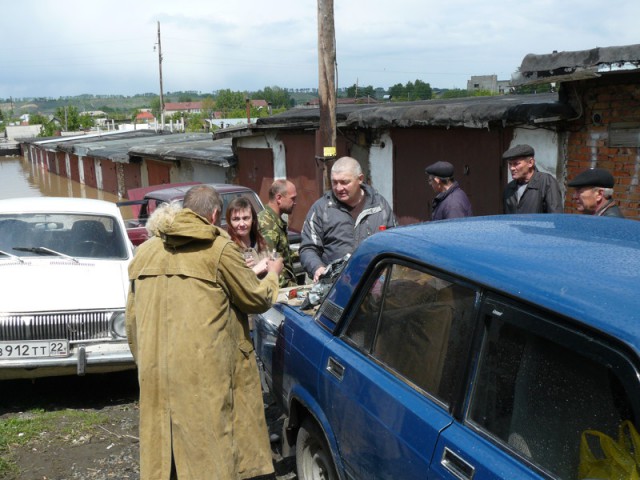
(342, 218)
(530, 191)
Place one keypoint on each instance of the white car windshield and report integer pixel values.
(61, 234)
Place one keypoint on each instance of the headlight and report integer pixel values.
(118, 325)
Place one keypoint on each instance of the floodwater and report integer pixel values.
(20, 178)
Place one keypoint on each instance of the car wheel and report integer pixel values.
(313, 456)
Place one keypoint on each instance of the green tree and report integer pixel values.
(154, 105)
(71, 120)
(276, 96)
(421, 91)
(355, 91)
(456, 93)
(483, 93)
(228, 101)
(194, 122)
(86, 121)
(48, 128)
(183, 97)
(208, 106)
(398, 92)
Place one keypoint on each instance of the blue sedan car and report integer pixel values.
(503, 347)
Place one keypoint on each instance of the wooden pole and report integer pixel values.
(326, 140)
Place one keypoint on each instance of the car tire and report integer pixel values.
(313, 456)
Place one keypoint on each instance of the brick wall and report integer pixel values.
(605, 101)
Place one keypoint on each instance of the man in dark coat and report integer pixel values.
(594, 193)
(530, 191)
(450, 200)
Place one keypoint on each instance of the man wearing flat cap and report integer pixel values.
(530, 191)
(450, 200)
(594, 193)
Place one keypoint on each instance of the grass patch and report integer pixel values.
(36, 424)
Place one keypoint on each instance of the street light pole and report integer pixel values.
(160, 67)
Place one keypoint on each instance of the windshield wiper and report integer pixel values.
(15, 257)
(45, 251)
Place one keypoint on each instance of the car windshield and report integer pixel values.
(61, 234)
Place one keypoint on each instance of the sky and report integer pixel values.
(70, 47)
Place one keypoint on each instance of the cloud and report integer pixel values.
(68, 47)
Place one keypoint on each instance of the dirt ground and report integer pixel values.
(111, 452)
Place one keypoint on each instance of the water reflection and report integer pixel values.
(20, 178)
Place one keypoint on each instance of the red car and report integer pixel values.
(143, 201)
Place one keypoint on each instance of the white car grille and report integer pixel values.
(73, 326)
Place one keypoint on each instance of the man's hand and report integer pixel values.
(275, 265)
(319, 271)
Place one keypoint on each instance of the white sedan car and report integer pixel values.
(63, 287)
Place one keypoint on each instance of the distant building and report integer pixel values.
(182, 107)
(145, 117)
(95, 113)
(488, 83)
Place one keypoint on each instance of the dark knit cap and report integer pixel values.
(440, 169)
(594, 177)
(519, 151)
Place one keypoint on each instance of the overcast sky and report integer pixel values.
(52, 48)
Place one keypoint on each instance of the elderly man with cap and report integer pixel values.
(594, 192)
(530, 191)
(450, 200)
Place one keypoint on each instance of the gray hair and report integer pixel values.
(203, 200)
(161, 217)
(347, 165)
(607, 193)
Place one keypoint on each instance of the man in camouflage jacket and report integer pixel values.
(282, 199)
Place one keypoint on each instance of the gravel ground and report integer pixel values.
(111, 450)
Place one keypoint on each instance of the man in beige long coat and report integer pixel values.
(201, 410)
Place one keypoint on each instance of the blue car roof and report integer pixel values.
(584, 267)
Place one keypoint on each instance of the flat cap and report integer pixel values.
(519, 151)
(594, 177)
(440, 169)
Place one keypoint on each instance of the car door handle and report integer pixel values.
(458, 467)
(335, 368)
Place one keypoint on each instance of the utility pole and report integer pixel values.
(326, 138)
(160, 66)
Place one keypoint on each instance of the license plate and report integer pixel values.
(34, 349)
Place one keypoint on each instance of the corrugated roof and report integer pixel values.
(198, 147)
(470, 112)
(576, 65)
(117, 149)
(205, 150)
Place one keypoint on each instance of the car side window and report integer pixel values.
(418, 325)
(538, 389)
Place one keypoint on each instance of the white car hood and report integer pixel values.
(54, 284)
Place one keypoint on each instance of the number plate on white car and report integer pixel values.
(34, 349)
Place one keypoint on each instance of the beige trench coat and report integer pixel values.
(200, 396)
